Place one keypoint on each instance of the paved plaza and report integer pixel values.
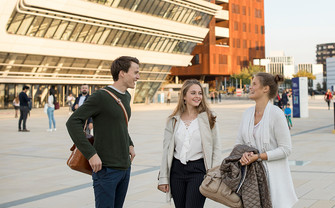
(34, 172)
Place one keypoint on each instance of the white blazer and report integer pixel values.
(276, 142)
(210, 144)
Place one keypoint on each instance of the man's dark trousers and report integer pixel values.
(110, 187)
(24, 110)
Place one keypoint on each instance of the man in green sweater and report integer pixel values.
(113, 151)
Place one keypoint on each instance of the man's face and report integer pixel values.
(84, 89)
(132, 75)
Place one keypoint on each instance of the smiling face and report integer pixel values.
(193, 96)
(131, 76)
(257, 90)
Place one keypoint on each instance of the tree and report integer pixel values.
(247, 73)
(303, 73)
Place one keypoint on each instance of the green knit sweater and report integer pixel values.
(111, 137)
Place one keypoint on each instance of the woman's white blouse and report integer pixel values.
(188, 145)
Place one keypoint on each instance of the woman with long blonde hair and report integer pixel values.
(191, 146)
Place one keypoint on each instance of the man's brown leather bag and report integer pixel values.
(77, 161)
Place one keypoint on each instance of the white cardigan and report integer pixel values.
(276, 142)
(209, 139)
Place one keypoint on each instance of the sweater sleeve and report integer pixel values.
(217, 154)
(130, 141)
(75, 124)
(282, 137)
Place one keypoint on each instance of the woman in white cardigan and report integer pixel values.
(264, 127)
(190, 147)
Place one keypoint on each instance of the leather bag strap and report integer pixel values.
(118, 100)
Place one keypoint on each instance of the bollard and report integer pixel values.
(334, 118)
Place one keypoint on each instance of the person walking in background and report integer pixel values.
(70, 101)
(168, 100)
(24, 108)
(191, 146)
(328, 97)
(264, 127)
(80, 101)
(109, 155)
(51, 108)
(16, 104)
(284, 98)
(288, 113)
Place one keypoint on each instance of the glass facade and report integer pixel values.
(36, 66)
(72, 30)
(185, 13)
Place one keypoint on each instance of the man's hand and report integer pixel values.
(131, 153)
(163, 187)
(95, 163)
(76, 106)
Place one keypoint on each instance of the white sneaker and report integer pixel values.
(49, 130)
(55, 129)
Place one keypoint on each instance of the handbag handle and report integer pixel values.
(118, 100)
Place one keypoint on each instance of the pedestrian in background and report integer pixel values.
(264, 127)
(24, 108)
(191, 146)
(83, 96)
(284, 98)
(70, 101)
(16, 104)
(51, 109)
(328, 97)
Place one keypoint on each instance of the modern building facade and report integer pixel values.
(236, 37)
(331, 73)
(278, 63)
(68, 43)
(316, 70)
(324, 51)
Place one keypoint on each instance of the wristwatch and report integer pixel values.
(259, 159)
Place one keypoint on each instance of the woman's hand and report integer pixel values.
(163, 187)
(248, 158)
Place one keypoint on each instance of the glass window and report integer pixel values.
(154, 44)
(196, 18)
(104, 36)
(166, 41)
(190, 18)
(84, 33)
(128, 39)
(244, 27)
(69, 29)
(138, 43)
(174, 44)
(111, 37)
(186, 15)
(52, 29)
(256, 29)
(134, 39)
(168, 11)
(235, 25)
(25, 24)
(168, 45)
(76, 32)
(154, 7)
(35, 26)
(43, 28)
(160, 43)
(148, 6)
(142, 5)
(60, 29)
(123, 38)
(16, 22)
(162, 12)
(91, 33)
(145, 42)
(97, 35)
(117, 37)
(177, 13)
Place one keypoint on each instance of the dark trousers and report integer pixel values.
(110, 187)
(24, 110)
(185, 181)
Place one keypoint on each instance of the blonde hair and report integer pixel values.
(202, 107)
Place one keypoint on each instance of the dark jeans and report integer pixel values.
(185, 182)
(24, 110)
(110, 187)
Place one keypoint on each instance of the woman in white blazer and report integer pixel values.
(264, 127)
(190, 147)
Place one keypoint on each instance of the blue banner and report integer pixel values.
(295, 97)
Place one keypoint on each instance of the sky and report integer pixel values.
(297, 26)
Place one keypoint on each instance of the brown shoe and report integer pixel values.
(19, 130)
(26, 130)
